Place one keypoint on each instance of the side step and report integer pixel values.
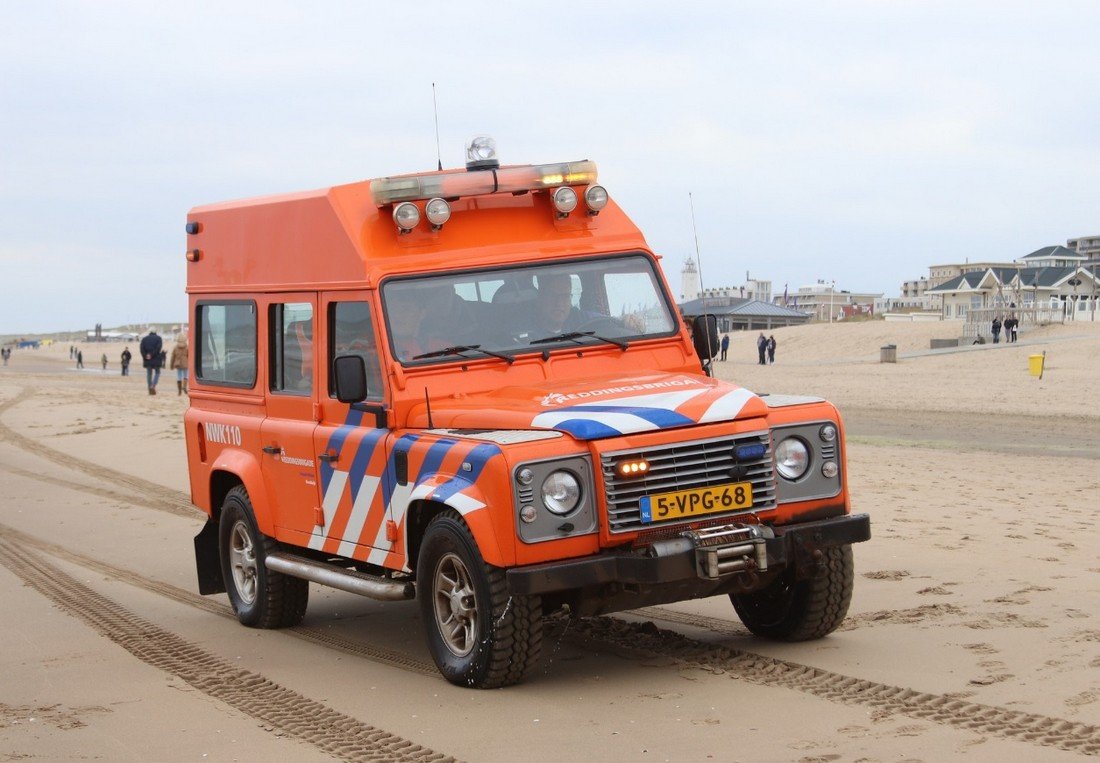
(371, 586)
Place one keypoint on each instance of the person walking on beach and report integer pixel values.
(103, 360)
(126, 356)
(771, 348)
(5, 353)
(179, 362)
(1010, 328)
(151, 359)
(725, 345)
(762, 348)
(996, 329)
(79, 359)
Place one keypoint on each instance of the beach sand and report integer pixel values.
(974, 630)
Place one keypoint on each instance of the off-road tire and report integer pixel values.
(261, 598)
(501, 639)
(801, 610)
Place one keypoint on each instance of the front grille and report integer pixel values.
(680, 466)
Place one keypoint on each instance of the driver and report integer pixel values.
(554, 312)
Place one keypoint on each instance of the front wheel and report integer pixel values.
(261, 598)
(478, 635)
(801, 610)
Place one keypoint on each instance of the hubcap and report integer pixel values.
(242, 560)
(455, 605)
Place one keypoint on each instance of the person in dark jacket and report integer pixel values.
(725, 345)
(995, 329)
(771, 348)
(762, 348)
(126, 356)
(150, 348)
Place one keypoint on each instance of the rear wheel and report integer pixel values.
(478, 635)
(261, 598)
(801, 610)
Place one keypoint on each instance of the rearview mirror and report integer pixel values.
(349, 375)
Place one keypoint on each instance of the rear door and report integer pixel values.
(289, 465)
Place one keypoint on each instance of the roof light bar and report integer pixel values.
(455, 183)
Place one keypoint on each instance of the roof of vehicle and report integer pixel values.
(339, 238)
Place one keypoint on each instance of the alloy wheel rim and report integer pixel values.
(455, 605)
(242, 561)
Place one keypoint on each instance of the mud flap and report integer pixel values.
(207, 562)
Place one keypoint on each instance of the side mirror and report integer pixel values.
(704, 335)
(349, 375)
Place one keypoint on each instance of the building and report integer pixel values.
(1086, 245)
(689, 281)
(824, 302)
(736, 314)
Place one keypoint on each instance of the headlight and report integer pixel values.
(792, 458)
(561, 492)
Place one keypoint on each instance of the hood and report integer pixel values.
(591, 409)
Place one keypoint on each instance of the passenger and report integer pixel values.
(554, 312)
(405, 312)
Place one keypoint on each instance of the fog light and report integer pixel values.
(637, 468)
(528, 514)
(438, 211)
(595, 198)
(406, 216)
(829, 469)
(565, 200)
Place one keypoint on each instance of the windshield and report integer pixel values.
(525, 309)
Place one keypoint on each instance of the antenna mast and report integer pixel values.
(702, 289)
(435, 110)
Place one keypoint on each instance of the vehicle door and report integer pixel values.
(289, 466)
(350, 440)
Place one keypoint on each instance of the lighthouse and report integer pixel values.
(689, 281)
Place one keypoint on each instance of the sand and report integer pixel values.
(973, 632)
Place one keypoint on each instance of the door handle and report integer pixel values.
(272, 449)
(329, 457)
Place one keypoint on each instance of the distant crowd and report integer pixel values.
(153, 358)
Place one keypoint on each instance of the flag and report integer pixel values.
(784, 295)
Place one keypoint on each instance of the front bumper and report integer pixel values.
(792, 546)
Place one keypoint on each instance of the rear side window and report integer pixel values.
(291, 348)
(226, 352)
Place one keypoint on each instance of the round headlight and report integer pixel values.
(406, 216)
(828, 433)
(438, 211)
(561, 492)
(792, 458)
(565, 200)
(595, 197)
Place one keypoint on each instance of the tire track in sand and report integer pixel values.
(287, 711)
(306, 633)
(154, 495)
(648, 640)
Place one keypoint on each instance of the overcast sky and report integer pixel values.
(855, 141)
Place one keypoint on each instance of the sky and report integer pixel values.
(851, 141)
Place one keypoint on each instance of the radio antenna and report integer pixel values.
(702, 290)
(435, 109)
(428, 404)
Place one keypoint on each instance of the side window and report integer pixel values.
(291, 329)
(226, 352)
(352, 333)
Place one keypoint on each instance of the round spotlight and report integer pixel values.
(565, 200)
(595, 198)
(438, 211)
(406, 216)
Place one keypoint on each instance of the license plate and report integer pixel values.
(684, 504)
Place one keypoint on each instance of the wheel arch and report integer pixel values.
(474, 515)
(232, 468)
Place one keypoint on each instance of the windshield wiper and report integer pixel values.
(573, 336)
(459, 349)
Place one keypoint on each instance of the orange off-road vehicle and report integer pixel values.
(471, 387)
